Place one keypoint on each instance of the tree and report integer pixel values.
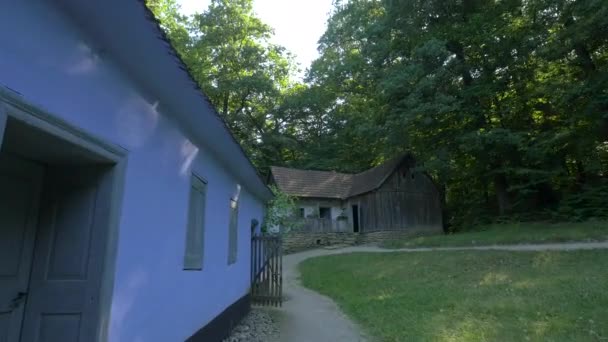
(504, 103)
(228, 51)
(500, 100)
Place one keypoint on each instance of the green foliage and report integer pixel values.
(590, 202)
(504, 103)
(228, 51)
(280, 212)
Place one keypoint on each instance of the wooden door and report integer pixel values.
(63, 300)
(19, 197)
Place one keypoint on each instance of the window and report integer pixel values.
(301, 212)
(324, 213)
(195, 232)
(233, 231)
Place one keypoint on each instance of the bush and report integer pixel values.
(280, 212)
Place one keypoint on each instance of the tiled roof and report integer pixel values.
(308, 183)
(330, 184)
(374, 178)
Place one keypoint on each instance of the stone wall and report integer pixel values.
(381, 236)
(300, 241)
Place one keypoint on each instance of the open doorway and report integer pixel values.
(55, 218)
(355, 218)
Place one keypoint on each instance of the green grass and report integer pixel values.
(469, 295)
(515, 233)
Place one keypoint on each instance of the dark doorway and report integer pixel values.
(55, 200)
(325, 213)
(355, 218)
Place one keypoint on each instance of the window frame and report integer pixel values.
(233, 231)
(328, 211)
(194, 259)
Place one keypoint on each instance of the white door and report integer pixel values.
(63, 299)
(19, 195)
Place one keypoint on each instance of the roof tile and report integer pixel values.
(331, 184)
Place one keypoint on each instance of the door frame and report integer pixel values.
(13, 105)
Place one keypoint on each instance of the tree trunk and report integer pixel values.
(457, 49)
(502, 195)
(581, 176)
(225, 105)
(604, 127)
(445, 215)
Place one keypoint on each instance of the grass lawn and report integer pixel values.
(469, 295)
(512, 234)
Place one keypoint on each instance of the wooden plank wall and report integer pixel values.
(402, 203)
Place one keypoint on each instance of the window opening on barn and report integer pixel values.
(324, 213)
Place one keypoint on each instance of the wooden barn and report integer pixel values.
(390, 197)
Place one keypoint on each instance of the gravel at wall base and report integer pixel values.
(257, 326)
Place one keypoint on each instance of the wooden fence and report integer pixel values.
(266, 270)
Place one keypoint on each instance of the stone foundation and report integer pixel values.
(295, 241)
(300, 241)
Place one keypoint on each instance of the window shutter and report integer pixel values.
(233, 232)
(195, 235)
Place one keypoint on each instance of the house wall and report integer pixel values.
(51, 63)
(311, 206)
(407, 201)
(312, 222)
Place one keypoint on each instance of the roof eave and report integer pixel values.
(160, 72)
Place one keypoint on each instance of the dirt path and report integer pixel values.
(521, 247)
(307, 316)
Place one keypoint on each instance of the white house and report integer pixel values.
(125, 203)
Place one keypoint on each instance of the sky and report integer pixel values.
(298, 24)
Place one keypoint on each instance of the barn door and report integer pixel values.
(63, 299)
(19, 193)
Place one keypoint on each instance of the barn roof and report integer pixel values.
(309, 183)
(331, 184)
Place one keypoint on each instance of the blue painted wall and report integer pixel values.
(48, 60)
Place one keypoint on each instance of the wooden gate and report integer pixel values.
(266, 270)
